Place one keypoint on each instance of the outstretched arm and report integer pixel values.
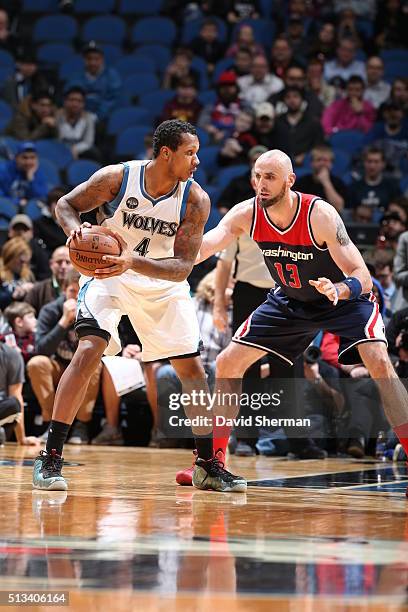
(328, 228)
(236, 222)
(186, 245)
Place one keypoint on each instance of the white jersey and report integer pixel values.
(148, 225)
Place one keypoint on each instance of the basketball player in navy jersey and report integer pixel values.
(321, 281)
(158, 214)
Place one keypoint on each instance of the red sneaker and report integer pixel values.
(185, 477)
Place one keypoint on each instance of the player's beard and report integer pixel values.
(275, 200)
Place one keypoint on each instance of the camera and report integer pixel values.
(312, 354)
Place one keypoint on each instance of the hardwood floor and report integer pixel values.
(307, 535)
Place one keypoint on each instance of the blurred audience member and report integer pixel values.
(295, 76)
(34, 118)
(377, 90)
(316, 83)
(185, 105)
(383, 264)
(392, 136)
(15, 274)
(235, 148)
(51, 288)
(400, 270)
(245, 39)
(242, 62)
(264, 125)
(179, 68)
(351, 112)
(102, 85)
(26, 80)
(323, 47)
(281, 56)
(322, 182)
(297, 132)
(22, 226)
(258, 86)
(296, 34)
(76, 126)
(219, 119)
(8, 41)
(392, 226)
(207, 46)
(46, 227)
(391, 24)
(345, 65)
(21, 178)
(23, 322)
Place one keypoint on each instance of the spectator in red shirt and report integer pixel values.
(23, 322)
(184, 105)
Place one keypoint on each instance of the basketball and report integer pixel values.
(86, 251)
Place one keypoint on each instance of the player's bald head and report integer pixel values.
(275, 161)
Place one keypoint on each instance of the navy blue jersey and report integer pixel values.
(292, 254)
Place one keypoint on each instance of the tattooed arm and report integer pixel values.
(101, 187)
(186, 245)
(329, 231)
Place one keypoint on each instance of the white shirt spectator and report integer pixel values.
(256, 87)
(78, 136)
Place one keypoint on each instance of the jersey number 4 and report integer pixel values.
(143, 247)
(293, 280)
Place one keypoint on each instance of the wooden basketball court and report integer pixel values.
(308, 535)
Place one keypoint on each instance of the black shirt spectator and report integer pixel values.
(374, 189)
(46, 226)
(207, 46)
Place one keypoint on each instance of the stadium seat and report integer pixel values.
(10, 144)
(208, 158)
(6, 60)
(341, 162)
(51, 172)
(348, 140)
(191, 30)
(203, 137)
(122, 118)
(214, 193)
(55, 28)
(404, 184)
(159, 54)
(136, 85)
(394, 69)
(130, 7)
(5, 114)
(226, 175)
(40, 6)
(54, 53)
(213, 219)
(365, 28)
(80, 170)
(5, 73)
(7, 209)
(200, 66)
(155, 100)
(159, 30)
(207, 97)
(33, 209)
(392, 55)
(94, 6)
(130, 64)
(200, 175)
(113, 53)
(69, 67)
(55, 151)
(104, 29)
(131, 140)
(266, 8)
(222, 66)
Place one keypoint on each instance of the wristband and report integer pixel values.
(354, 285)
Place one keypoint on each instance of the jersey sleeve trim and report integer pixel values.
(254, 215)
(185, 198)
(111, 207)
(309, 226)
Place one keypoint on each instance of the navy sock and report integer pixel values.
(56, 436)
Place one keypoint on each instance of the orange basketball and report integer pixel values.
(86, 252)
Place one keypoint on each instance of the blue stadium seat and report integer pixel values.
(131, 140)
(7, 209)
(54, 53)
(222, 66)
(191, 30)
(130, 7)
(5, 114)
(208, 158)
(200, 176)
(51, 172)
(404, 184)
(55, 28)
(113, 53)
(214, 193)
(129, 64)
(159, 54)
(200, 66)
(155, 100)
(55, 151)
(138, 84)
(365, 27)
(348, 140)
(5, 73)
(203, 137)
(160, 30)
(213, 219)
(226, 175)
(10, 144)
(69, 67)
(104, 29)
(264, 30)
(80, 170)
(392, 55)
(40, 6)
(6, 60)
(266, 8)
(341, 162)
(122, 118)
(33, 209)
(94, 6)
(207, 97)
(395, 69)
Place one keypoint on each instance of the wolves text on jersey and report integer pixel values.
(149, 224)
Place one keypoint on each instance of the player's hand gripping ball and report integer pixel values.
(87, 246)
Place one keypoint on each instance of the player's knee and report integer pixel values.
(88, 355)
(227, 367)
(380, 365)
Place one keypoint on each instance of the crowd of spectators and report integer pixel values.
(326, 82)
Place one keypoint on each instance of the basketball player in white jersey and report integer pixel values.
(158, 213)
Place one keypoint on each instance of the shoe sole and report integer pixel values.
(10, 419)
(58, 485)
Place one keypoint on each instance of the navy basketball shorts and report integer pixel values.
(285, 327)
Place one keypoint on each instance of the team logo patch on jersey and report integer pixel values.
(132, 203)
